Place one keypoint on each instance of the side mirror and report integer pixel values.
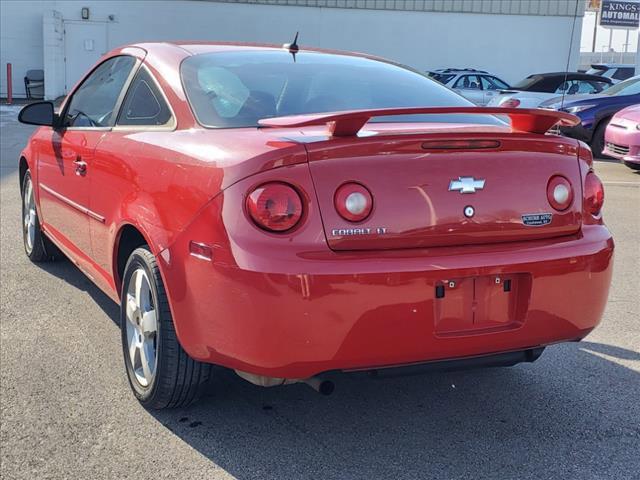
(39, 113)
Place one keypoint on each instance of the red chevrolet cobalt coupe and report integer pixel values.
(286, 213)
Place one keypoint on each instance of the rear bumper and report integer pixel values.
(342, 311)
(502, 359)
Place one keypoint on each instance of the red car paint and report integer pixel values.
(317, 298)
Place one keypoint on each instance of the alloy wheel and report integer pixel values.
(29, 216)
(142, 328)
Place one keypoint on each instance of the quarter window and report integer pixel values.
(493, 83)
(94, 102)
(144, 104)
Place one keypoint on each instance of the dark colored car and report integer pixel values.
(595, 111)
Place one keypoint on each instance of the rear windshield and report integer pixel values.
(236, 89)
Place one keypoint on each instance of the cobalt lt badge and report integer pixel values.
(469, 211)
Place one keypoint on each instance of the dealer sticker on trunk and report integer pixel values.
(537, 219)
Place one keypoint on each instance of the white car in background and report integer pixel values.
(477, 86)
(541, 87)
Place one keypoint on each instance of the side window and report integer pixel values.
(93, 103)
(144, 104)
(493, 83)
(500, 85)
(586, 87)
(468, 82)
(599, 86)
(571, 87)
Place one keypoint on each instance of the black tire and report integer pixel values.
(633, 166)
(178, 380)
(597, 141)
(41, 248)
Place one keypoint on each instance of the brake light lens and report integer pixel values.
(511, 103)
(593, 194)
(275, 207)
(353, 202)
(559, 193)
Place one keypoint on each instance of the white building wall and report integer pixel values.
(511, 46)
(53, 54)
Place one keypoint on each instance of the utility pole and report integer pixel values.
(595, 31)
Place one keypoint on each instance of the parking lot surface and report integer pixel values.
(67, 412)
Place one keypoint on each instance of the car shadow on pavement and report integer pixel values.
(67, 271)
(572, 414)
(489, 423)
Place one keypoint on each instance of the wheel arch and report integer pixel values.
(23, 166)
(128, 238)
(604, 119)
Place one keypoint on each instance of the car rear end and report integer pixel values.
(394, 245)
(298, 283)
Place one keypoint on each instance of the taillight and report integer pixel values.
(511, 103)
(353, 202)
(593, 194)
(559, 193)
(276, 207)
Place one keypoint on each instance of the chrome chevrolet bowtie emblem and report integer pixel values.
(466, 185)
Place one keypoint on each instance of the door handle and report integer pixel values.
(81, 167)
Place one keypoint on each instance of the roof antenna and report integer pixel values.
(566, 72)
(292, 47)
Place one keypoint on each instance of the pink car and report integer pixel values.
(622, 137)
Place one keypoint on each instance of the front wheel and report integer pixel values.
(160, 372)
(36, 245)
(597, 141)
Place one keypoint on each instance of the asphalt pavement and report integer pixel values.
(67, 412)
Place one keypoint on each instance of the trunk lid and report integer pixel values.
(413, 206)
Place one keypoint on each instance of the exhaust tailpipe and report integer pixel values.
(322, 386)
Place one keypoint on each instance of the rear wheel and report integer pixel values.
(36, 245)
(633, 166)
(597, 142)
(160, 372)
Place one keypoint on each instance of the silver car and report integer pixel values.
(475, 85)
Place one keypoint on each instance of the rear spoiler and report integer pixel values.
(349, 123)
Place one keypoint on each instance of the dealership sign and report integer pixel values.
(619, 14)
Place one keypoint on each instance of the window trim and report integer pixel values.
(118, 104)
(169, 126)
